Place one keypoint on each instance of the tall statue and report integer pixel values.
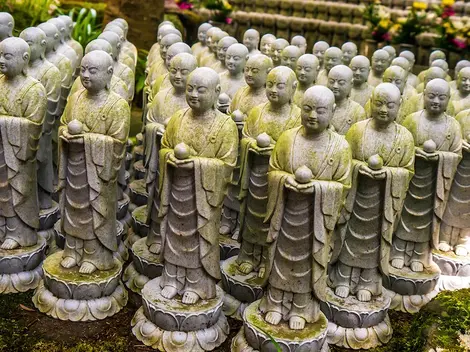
(412, 79)
(201, 36)
(262, 129)
(309, 171)
(251, 41)
(49, 76)
(438, 144)
(460, 100)
(233, 79)
(222, 48)
(276, 48)
(349, 50)
(23, 106)
(383, 156)
(194, 175)
(7, 24)
(63, 48)
(289, 56)
(266, 41)
(331, 59)
(300, 42)
(319, 49)
(380, 62)
(306, 71)
(347, 111)
(93, 134)
(75, 45)
(361, 90)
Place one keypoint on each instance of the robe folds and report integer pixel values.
(398, 163)
(213, 157)
(105, 133)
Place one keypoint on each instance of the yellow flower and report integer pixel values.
(447, 2)
(420, 5)
(227, 5)
(384, 23)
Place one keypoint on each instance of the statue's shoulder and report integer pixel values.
(116, 103)
(404, 133)
(339, 141)
(32, 86)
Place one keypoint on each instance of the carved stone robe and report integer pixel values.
(346, 115)
(230, 85)
(117, 86)
(361, 96)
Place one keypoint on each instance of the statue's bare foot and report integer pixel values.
(155, 248)
(68, 262)
(169, 292)
(417, 267)
(461, 251)
(364, 295)
(10, 244)
(236, 234)
(190, 297)
(224, 230)
(261, 272)
(398, 263)
(443, 247)
(87, 268)
(273, 318)
(245, 268)
(296, 323)
(342, 291)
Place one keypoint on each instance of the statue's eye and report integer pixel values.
(255, 70)
(93, 71)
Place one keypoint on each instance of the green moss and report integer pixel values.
(140, 249)
(140, 213)
(138, 186)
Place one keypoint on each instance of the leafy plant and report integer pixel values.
(140, 70)
(29, 13)
(378, 20)
(221, 10)
(406, 29)
(87, 26)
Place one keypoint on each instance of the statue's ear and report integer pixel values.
(10, 24)
(218, 89)
(43, 42)
(56, 36)
(118, 46)
(110, 70)
(294, 85)
(25, 56)
(333, 108)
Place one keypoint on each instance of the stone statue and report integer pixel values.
(289, 56)
(7, 24)
(266, 41)
(211, 58)
(383, 157)
(361, 90)
(380, 62)
(438, 145)
(349, 50)
(460, 100)
(49, 76)
(63, 48)
(117, 85)
(23, 107)
(276, 48)
(460, 65)
(251, 41)
(397, 74)
(319, 49)
(93, 134)
(262, 129)
(435, 55)
(306, 71)
(207, 49)
(165, 104)
(127, 47)
(201, 36)
(125, 57)
(412, 79)
(309, 171)
(222, 48)
(441, 63)
(233, 79)
(347, 111)
(392, 53)
(198, 170)
(154, 56)
(68, 36)
(300, 42)
(331, 59)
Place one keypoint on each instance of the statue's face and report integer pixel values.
(36, 45)
(300, 43)
(213, 43)
(289, 58)
(384, 106)
(319, 52)
(265, 46)
(276, 51)
(222, 48)
(348, 53)
(316, 113)
(179, 72)
(12, 59)
(251, 40)
(255, 74)
(463, 82)
(201, 93)
(95, 73)
(436, 98)
(234, 61)
(165, 44)
(5, 31)
(332, 60)
(379, 62)
(396, 79)
(202, 35)
(278, 89)
(360, 72)
(340, 84)
(306, 71)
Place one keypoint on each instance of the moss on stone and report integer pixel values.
(138, 186)
(140, 214)
(140, 249)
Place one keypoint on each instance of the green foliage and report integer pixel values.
(87, 25)
(140, 70)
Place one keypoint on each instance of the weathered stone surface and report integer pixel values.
(138, 193)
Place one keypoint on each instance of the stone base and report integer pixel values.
(66, 294)
(410, 303)
(139, 221)
(138, 152)
(145, 266)
(139, 170)
(170, 325)
(239, 292)
(128, 161)
(137, 192)
(48, 217)
(228, 247)
(355, 324)
(20, 269)
(258, 335)
(122, 207)
(455, 270)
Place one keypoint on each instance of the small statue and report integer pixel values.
(347, 111)
(397, 75)
(211, 58)
(154, 56)
(309, 172)
(392, 53)
(63, 48)
(408, 90)
(460, 65)
(438, 146)
(382, 151)
(166, 103)
(93, 134)
(306, 71)
(380, 62)
(49, 76)
(361, 90)
(412, 79)
(125, 58)
(435, 55)
(127, 47)
(22, 110)
(7, 24)
(331, 59)
(266, 41)
(251, 41)
(289, 56)
(197, 170)
(349, 50)
(460, 100)
(207, 50)
(264, 125)
(201, 36)
(319, 49)
(222, 48)
(233, 79)
(68, 36)
(300, 42)
(436, 63)
(276, 48)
